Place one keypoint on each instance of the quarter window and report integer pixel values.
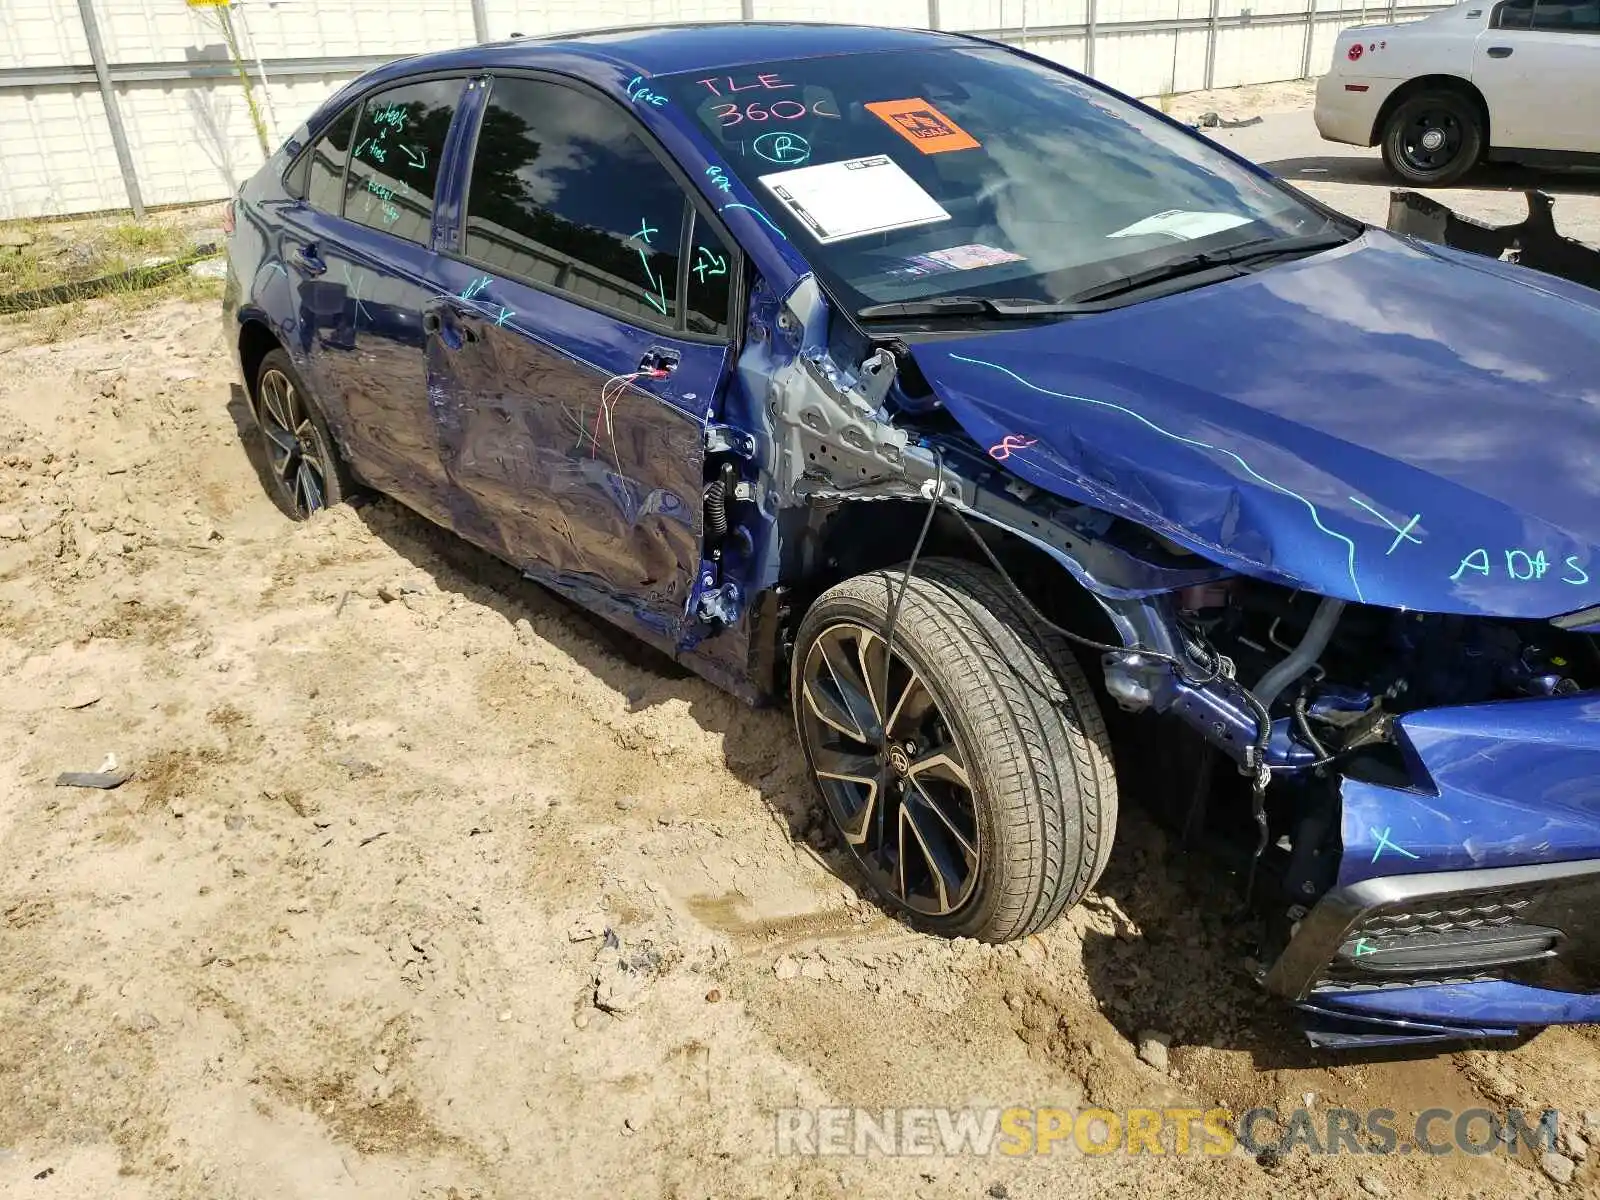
(326, 158)
(711, 271)
(564, 193)
(394, 168)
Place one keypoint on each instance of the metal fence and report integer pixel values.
(110, 104)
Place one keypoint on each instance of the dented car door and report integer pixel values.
(577, 354)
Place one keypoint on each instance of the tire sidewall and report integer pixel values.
(336, 479)
(1464, 161)
(993, 847)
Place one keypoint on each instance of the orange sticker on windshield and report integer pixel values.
(923, 125)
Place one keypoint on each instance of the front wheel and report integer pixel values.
(1433, 139)
(968, 769)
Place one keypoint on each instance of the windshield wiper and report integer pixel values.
(1245, 252)
(966, 306)
(1085, 302)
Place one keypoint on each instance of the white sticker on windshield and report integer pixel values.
(855, 197)
(1183, 225)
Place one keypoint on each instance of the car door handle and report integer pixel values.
(658, 362)
(308, 260)
(1499, 51)
(453, 319)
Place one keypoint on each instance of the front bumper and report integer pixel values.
(1466, 907)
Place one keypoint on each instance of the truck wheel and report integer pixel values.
(1433, 139)
(307, 472)
(970, 773)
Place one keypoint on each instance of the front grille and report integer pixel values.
(1326, 986)
(1470, 912)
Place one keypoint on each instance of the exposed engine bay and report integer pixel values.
(1326, 680)
(1331, 675)
(1371, 663)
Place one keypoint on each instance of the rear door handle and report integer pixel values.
(308, 260)
(464, 316)
(1499, 51)
(451, 320)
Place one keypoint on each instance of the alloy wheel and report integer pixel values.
(294, 445)
(891, 770)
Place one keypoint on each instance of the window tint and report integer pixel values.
(395, 165)
(1551, 16)
(1514, 14)
(711, 268)
(325, 182)
(294, 179)
(564, 193)
(1562, 16)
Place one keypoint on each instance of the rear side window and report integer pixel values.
(394, 168)
(326, 158)
(1550, 16)
(564, 193)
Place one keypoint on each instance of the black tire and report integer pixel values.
(1447, 117)
(1013, 708)
(304, 471)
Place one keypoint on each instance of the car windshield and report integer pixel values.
(973, 172)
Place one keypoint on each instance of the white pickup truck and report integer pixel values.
(1514, 81)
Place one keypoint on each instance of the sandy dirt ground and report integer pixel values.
(1352, 179)
(343, 931)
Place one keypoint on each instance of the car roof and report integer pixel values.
(668, 49)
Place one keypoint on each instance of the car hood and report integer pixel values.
(1387, 422)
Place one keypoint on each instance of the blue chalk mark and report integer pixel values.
(720, 178)
(355, 286)
(505, 315)
(764, 218)
(708, 263)
(643, 95)
(470, 292)
(1363, 948)
(1316, 516)
(659, 304)
(1385, 844)
(1400, 534)
(1481, 568)
(1536, 564)
(278, 266)
(419, 158)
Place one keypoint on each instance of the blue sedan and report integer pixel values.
(1029, 445)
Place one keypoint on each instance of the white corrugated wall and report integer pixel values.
(192, 139)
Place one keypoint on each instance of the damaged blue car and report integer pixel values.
(1029, 445)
